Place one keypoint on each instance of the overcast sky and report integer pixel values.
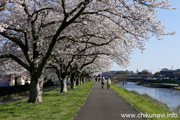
(159, 53)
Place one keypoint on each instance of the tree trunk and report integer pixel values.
(63, 85)
(85, 79)
(36, 89)
(15, 78)
(77, 82)
(73, 84)
(82, 79)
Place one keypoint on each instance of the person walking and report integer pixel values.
(102, 82)
(108, 83)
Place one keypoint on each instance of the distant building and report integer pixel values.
(166, 73)
(9, 80)
(23, 79)
(176, 74)
(115, 73)
(140, 76)
(109, 73)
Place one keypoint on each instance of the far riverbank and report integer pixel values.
(173, 84)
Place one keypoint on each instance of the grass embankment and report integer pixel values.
(13, 96)
(55, 106)
(145, 104)
(159, 81)
(18, 95)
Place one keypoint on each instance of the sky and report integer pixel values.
(159, 54)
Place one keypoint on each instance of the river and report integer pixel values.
(168, 96)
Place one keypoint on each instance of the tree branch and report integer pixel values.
(89, 62)
(3, 4)
(16, 59)
(14, 39)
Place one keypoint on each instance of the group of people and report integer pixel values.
(103, 82)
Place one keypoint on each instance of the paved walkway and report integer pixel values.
(104, 104)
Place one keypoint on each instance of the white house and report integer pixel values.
(9, 80)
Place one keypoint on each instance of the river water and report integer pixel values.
(168, 96)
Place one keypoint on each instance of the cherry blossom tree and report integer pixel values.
(3, 4)
(77, 71)
(64, 60)
(26, 24)
(72, 56)
(35, 26)
(100, 65)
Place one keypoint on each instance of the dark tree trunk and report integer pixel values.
(82, 79)
(36, 89)
(77, 82)
(16, 81)
(62, 86)
(73, 82)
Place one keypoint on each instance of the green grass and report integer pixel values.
(13, 96)
(55, 106)
(143, 103)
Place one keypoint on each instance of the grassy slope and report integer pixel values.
(142, 103)
(55, 106)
